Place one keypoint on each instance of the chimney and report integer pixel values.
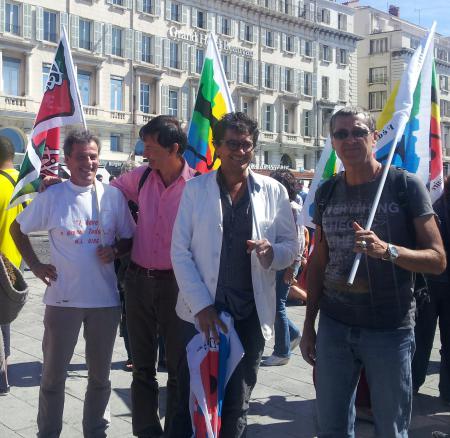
(394, 10)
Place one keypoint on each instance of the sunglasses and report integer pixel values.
(235, 145)
(356, 133)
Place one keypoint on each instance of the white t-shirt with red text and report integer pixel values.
(70, 215)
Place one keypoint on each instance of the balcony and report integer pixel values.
(90, 111)
(143, 118)
(120, 116)
(14, 103)
(288, 139)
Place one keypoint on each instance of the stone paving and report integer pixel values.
(282, 403)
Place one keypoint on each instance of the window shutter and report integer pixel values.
(164, 99)
(168, 11)
(233, 28)
(242, 30)
(157, 49)
(313, 49)
(137, 45)
(139, 6)
(263, 75)
(184, 14)
(282, 78)
(193, 59)
(332, 51)
(2, 16)
(240, 70)
(98, 37)
(274, 118)
(283, 42)
(166, 52)
(301, 8)
(108, 38)
(184, 57)
(233, 67)
(301, 76)
(312, 123)
(311, 11)
(263, 120)
(255, 72)
(295, 79)
(128, 36)
(320, 52)
(26, 20)
(276, 77)
(210, 21)
(304, 122)
(273, 5)
(184, 103)
(302, 46)
(219, 24)
(296, 45)
(194, 22)
(263, 37)
(314, 85)
(318, 87)
(128, 4)
(74, 31)
(319, 15)
(157, 7)
(39, 23)
(255, 34)
(276, 40)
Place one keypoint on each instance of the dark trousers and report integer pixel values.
(150, 305)
(437, 309)
(239, 388)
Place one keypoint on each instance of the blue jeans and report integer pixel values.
(386, 356)
(285, 330)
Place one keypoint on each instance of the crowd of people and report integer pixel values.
(165, 253)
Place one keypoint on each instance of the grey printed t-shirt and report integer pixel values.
(381, 296)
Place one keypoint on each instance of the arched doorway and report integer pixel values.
(17, 138)
(286, 160)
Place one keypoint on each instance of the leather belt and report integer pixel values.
(150, 273)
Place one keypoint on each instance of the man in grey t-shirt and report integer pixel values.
(368, 324)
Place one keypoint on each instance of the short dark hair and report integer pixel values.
(7, 150)
(238, 122)
(169, 131)
(79, 137)
(354, 111)
(287, 178)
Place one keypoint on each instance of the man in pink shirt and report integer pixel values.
(151, 290)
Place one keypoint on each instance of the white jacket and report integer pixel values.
(197, 243)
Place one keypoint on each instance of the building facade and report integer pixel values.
(383, 55)
(289, 64)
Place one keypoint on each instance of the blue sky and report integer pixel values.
(430, 10)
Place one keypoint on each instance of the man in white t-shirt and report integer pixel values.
(89, 225)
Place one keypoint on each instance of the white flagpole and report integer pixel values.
(403, 120)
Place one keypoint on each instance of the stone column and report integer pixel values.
(98, 86)
(28, 74)
(137, 93)
(1, 72)
(158, 96)
(296, 119)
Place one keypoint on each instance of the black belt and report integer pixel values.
(150, 273)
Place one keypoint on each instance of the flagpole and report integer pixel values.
(399, 133)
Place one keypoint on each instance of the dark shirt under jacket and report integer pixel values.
(234, 287)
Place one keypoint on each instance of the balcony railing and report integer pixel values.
(118, 115)
(90, 110)
(16, 101)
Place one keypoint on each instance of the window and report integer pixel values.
(325, 16)
(268, 81)
(50, 26)
(175, 12)
(116, 47)
(173, 103)
(12, 18)
(325, 87)
(268, 118)
(199, 58)
(307, 119)
(378, 46)
(147, 49)
(342, 90)
(343, 60)
(377, 100)
(145, 98)
(342, 22)
(45, 71)
(116, 94)
(85, 41)
(246, 77)
(308, 49)
(226, 64)
(245, 107)
(173, 53)
(269, 39)
(289, 43)
(226, 26)
(414, 43)
(84, 85)
(11, 76)
(201, 19)
(286, 120)
(147, 6)
(377, 75)
(288, 76)
(445, 108)
(117, 2)
(307, 84)
(442, 54)
(443, 82)
(248, 33)
(326, 53)
(114, 142)
(266, 157)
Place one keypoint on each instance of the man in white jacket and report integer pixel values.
(233, 231)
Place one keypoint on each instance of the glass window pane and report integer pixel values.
(85, 34)
(84, 85)
(45, 72)
(116, 94)
(50, 26)
(145, 98)
(11, 75)
(173, 103)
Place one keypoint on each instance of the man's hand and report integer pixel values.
(106, 254)
(47, 273)
(366, 241)
(264, 251)
(48, 181)
(208, 320)
(308, 344)
(289, 277)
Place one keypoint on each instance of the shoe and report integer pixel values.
(438, 434)
(5, 391)
(128, 366)
(364, 414)
(294, 343)
(274, 361)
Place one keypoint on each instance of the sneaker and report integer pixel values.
(274, 361)
(5, 391)
(294, 343)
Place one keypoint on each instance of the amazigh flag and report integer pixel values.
(210, 367)
(60, 106)
(419, 150)
(212, 103)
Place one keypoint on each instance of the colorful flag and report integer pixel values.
(212, 103)
(210, 367)
(60, 106)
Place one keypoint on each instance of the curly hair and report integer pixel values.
(287, 178)
(238, 122)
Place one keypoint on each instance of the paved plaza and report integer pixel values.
(282, 404)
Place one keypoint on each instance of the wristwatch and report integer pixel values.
(391, 253)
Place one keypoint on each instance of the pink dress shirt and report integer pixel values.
(158, 207)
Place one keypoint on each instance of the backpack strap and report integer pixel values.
(144, 178)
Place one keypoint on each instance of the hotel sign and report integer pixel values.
(200, 38)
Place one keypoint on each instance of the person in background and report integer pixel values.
(8, 179)
(287, 334)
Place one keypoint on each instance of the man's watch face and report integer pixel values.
(393, 252)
